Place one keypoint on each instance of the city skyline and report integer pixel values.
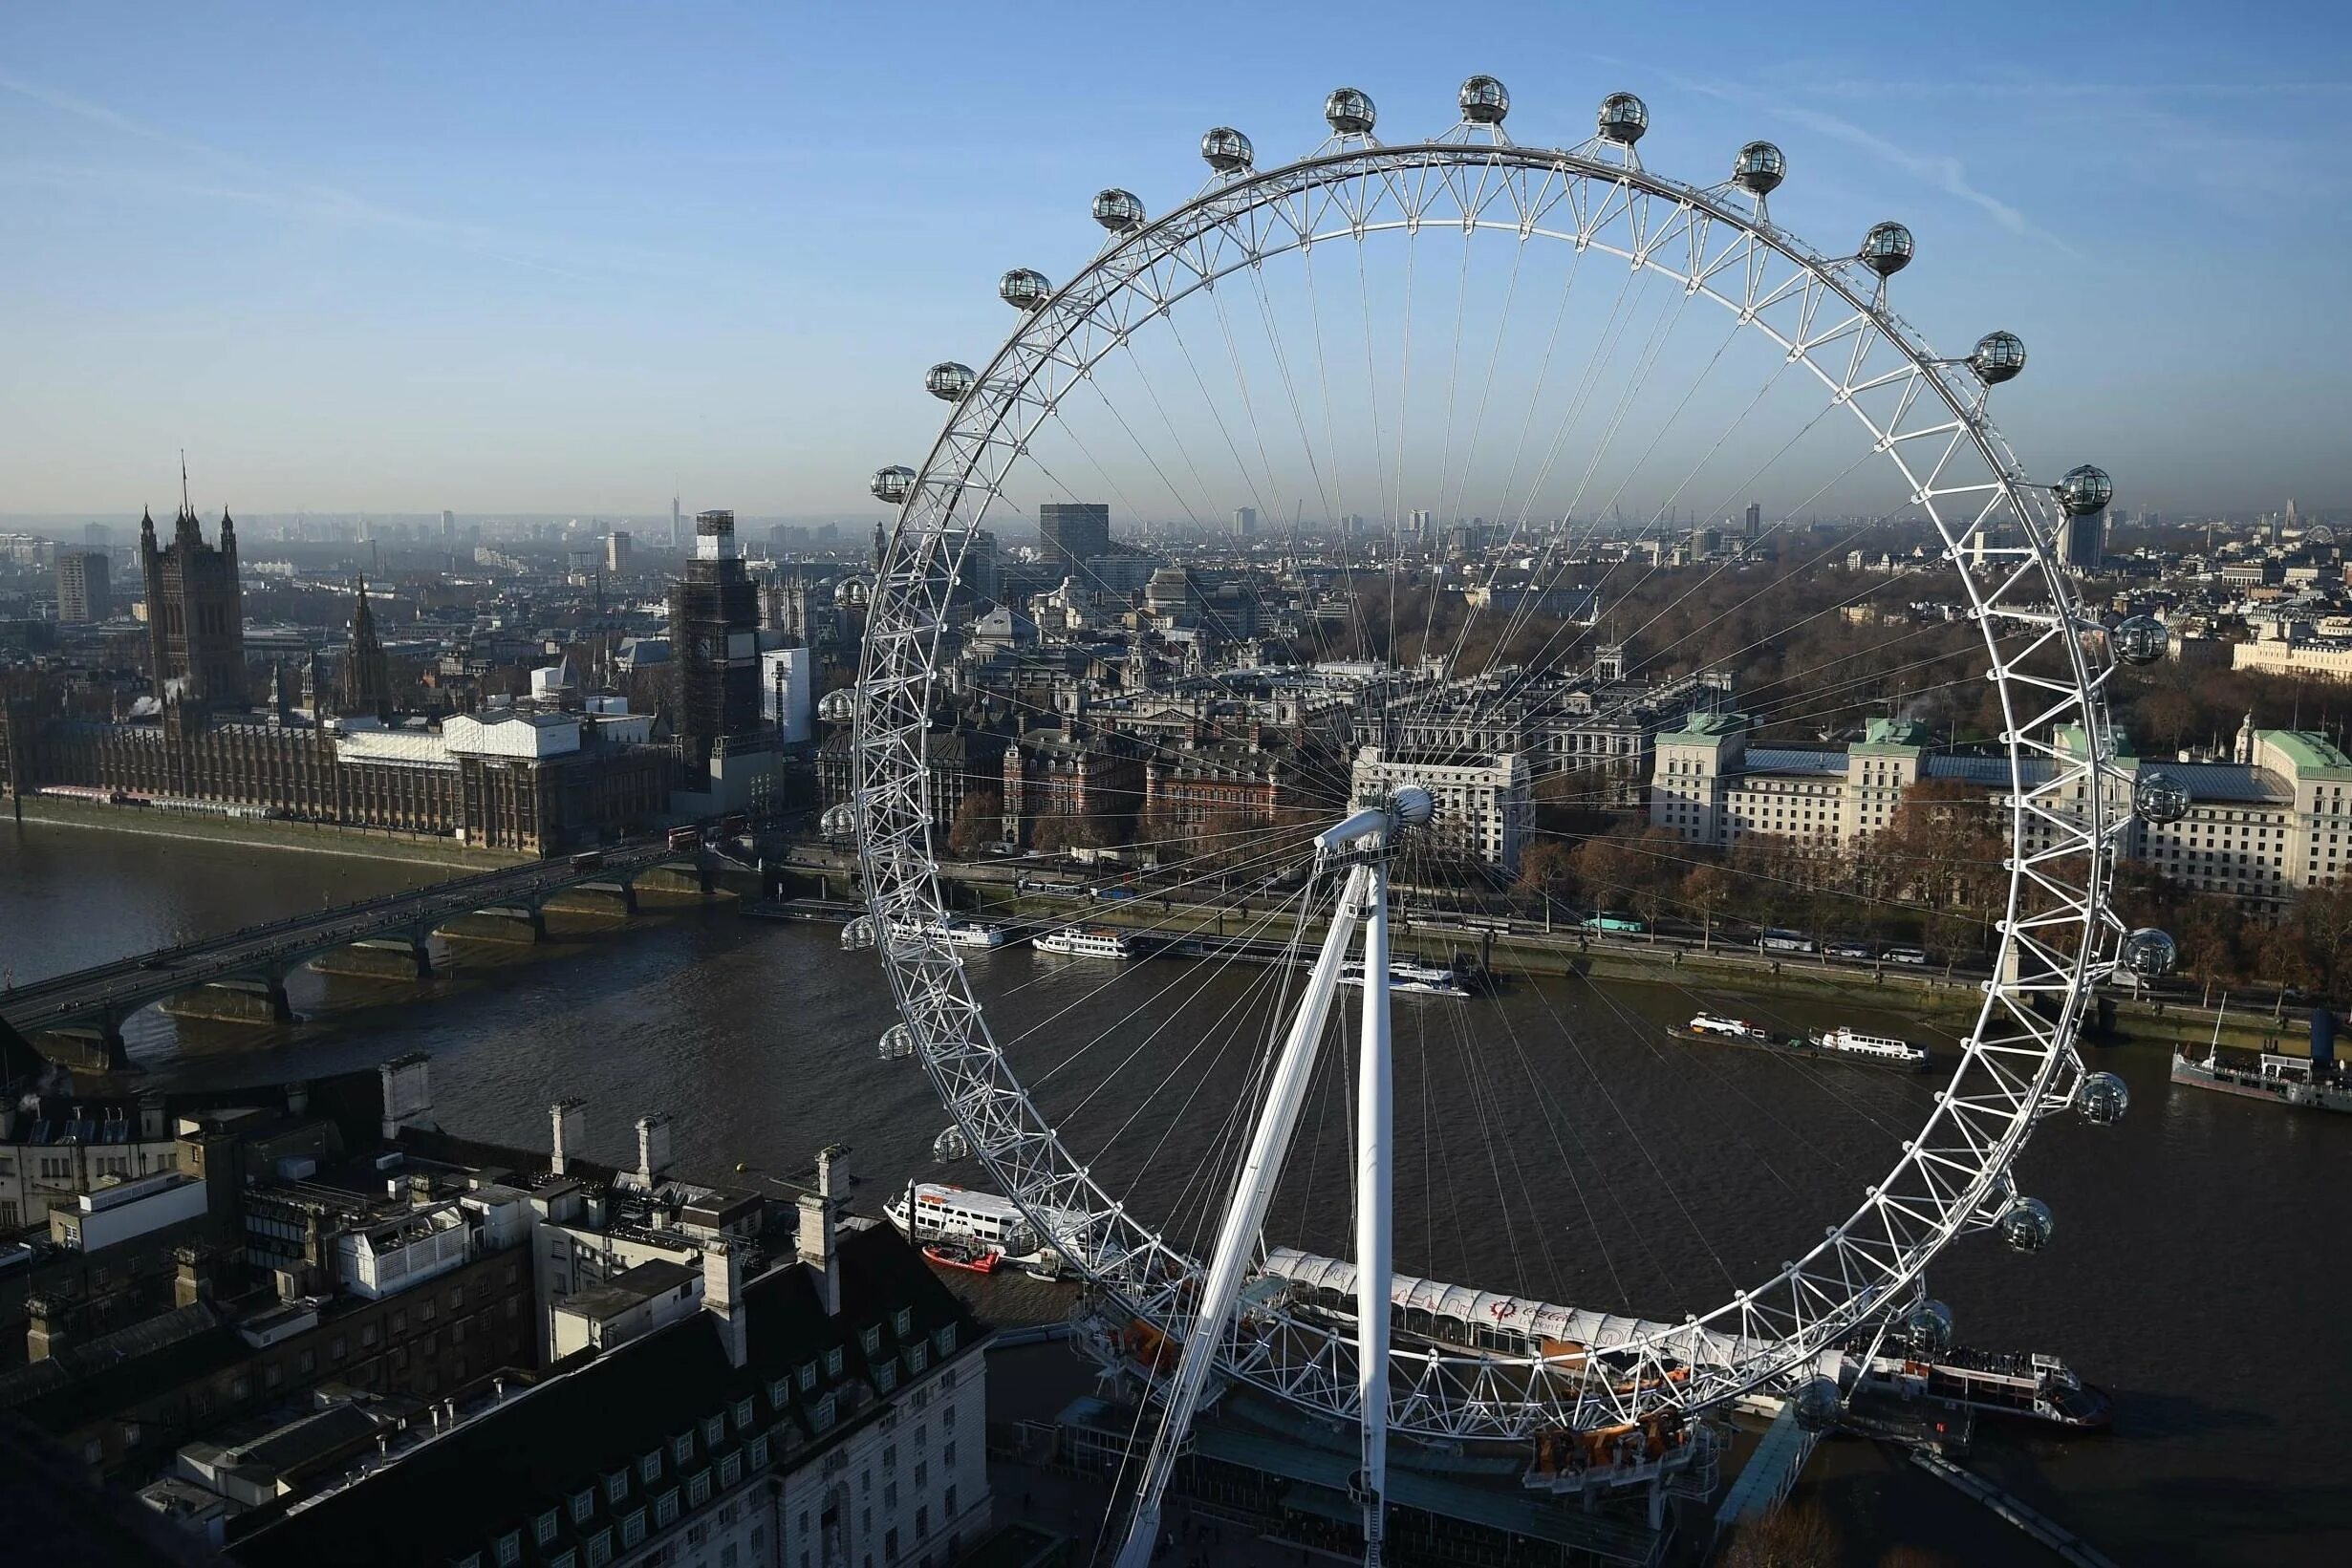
(622, 261)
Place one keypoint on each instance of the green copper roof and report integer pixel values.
(2309, 752)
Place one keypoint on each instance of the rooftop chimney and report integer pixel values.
(653, 1148)
(819, 1242)
(570, 1119)
(191, 1278)
(45, 1329)
(408, 1091)
(722, 1283)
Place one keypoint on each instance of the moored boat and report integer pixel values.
(2311, 1083)
(2281, 1079)
(2023, 1385)
(955, 1252)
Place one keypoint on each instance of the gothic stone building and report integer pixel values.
(195, 613)
(529, 783)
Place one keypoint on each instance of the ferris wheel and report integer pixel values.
(1590, 334)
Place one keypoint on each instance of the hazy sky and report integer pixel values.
(546, 257)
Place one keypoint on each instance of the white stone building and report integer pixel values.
(1486, 808)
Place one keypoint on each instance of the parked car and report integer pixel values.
(1788, 941)
(1907, 955)
(1852, 949)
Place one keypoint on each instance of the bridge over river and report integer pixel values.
(243, 973)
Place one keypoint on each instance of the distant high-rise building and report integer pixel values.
(2081, 542)
(97, 536)
(82, 593)
(195, 611)
(1246, 521)
(617, 553)
(1752, 521)
(677, 531)
(715, 649)
(1420, 524)
(449, 523)
(1073, 533)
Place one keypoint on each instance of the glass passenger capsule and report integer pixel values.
(1623, 118)
(951, 1144)
(858, 935)
(2158, 797)
(2084, 490)
(1998, 358)
(2102, 1098)
(1349, 112)
(1485, 101)
(2140, 639)
(898, 1043)
(2027, 1226)
(1227, 150)
(839, 821)
(1023, 288)
(838, 706)
(1759, 168)
(2150, 953)
(1887, 249)
(1816, 1403)
(1118, 210)
(948, 381)
(894, 484)
(1927, 1329)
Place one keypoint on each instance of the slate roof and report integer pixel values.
(457, 1494)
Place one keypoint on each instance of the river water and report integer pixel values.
(1549, 1142)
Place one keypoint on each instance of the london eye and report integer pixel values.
(1496, 377)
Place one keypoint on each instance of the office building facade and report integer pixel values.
(1073, 533)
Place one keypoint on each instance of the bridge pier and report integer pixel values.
(622, 888)
(523, 924)
(95, 1045)
(380, 958)
(242, 1000)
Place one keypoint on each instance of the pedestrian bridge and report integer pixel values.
(248, 967)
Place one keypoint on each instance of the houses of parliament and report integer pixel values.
(536, 782)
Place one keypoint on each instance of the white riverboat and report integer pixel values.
(955, 933)
(943, 1210)
(1713, 1026)
(1408, 978)
(1879, 1050)
(1073, 941)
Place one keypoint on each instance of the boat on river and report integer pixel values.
(2311, 1083)
(1840, 1045)
(1072, 942)
(2281, 1079)
(957, 1252)
(2019, 1385)
(1407, 979)
(1872, 1050)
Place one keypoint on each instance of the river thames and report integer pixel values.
(1550, 1143)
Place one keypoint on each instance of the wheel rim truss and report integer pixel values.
(2065, 803)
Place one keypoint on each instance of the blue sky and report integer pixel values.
(546, 257)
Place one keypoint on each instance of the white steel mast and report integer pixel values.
(1364, 836)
